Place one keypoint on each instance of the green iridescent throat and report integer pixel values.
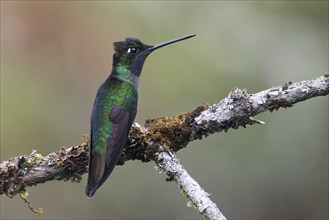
(123, 73)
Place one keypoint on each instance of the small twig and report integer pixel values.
(196, 196)
(23, 196)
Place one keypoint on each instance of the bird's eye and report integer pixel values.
(132, 50)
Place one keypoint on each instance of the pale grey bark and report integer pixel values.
(197, 197)
(159, 138)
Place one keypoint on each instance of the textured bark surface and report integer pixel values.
(161, 137)
(197, 197)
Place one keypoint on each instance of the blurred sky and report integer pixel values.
(55, 54)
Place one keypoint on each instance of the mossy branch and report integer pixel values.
(162, 134)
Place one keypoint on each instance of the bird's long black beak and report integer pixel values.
(169, 42)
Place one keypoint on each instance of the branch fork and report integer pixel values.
(159, 139)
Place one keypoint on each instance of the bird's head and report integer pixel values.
(131, 53)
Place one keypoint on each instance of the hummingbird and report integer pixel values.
(115, 108)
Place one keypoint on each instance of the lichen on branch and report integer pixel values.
(161, 134)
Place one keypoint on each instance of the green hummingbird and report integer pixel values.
(115, 108)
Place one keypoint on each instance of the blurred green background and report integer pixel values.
(55, 54)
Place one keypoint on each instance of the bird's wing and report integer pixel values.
(121, 119)
(118, 138)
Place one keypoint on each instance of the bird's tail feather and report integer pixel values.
(96, 171)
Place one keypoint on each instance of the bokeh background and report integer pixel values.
(55, 54)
